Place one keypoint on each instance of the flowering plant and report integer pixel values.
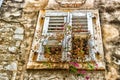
(74, 69)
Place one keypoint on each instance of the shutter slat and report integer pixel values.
(55, 30)
(54, 18)
(55, 14)
(56, 23)
(60, 21)
(55, 27)
(83, 27)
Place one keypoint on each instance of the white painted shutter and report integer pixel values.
(79, 19)
(91, 41)
(46, 24)
(54, 22)
(84, 19)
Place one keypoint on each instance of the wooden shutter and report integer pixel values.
(82, 26)
(79, 19)
(54, 22)
(91, 30)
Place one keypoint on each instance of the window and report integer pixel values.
(62, 37)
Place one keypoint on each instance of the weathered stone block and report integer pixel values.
(7, 57)
(18, 37)
(12, 66)
(1, 67)
(12, 49)
(17, 13)
(18, 0)
(19, 31)
(18, 43)
(33, 5)
(110, 32)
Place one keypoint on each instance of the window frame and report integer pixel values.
(65, 65)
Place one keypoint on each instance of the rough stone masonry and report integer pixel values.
(17, 26)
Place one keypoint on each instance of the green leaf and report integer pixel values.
(80, 75)
(90, 66)
(73, 69)
(69, 27)
(81, 51)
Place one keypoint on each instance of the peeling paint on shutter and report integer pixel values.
(46, 23)
(91, 41)
(53, 24)
(80, 20)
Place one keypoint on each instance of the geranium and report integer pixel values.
(96, 66)
(74, 64)
(87, 77)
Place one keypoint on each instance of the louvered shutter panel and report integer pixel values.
(79, 22)
(54, 22)
(82, 25)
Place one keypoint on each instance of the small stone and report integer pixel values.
(108, 17)
(7, 14)
(35, 5)
(17, 13)
(18, 37)
(1, 67)
(116, 14)
(110, 32)
(117, 51)
(44, 78)
(12, 49)
(12, 66)
(19, 31)
(18, 0)
(18, 43)
(20, 68)
(52, 77)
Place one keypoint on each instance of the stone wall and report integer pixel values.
(17, 26)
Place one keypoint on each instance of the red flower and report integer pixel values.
(74, 64)
(83, 72)
(96, 66)
(87, 77)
